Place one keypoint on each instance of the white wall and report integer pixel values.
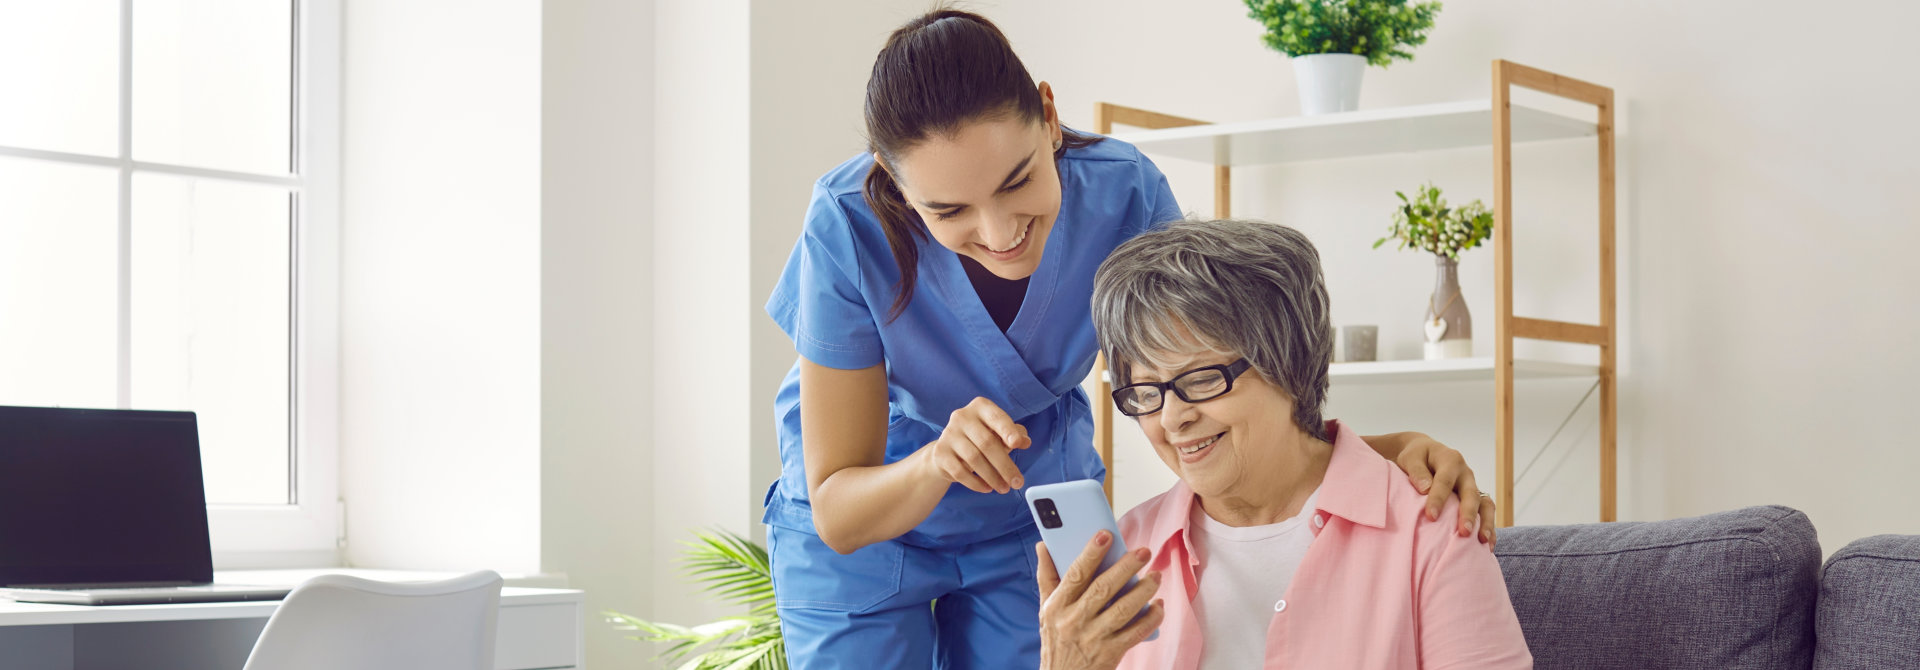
(440, 285)
(596, 300)
(499, 296)
(1765, 296)
(702, 309)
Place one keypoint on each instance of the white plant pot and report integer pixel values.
(1329, 82)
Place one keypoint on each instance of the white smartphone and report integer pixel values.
(1069, 514)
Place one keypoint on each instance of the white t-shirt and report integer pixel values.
(1245, 574)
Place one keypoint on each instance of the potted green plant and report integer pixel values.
(1332, 42)
(736, 570)
(1426, 223)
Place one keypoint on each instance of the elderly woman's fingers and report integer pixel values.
(1109, 585)
(1048, 577)
(1081, 572)
(1137, 632)
(1129, 604)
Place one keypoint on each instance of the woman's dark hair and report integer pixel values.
(941, 70)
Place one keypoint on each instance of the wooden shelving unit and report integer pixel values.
(1413, 129)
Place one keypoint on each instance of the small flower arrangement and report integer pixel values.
(1380, 30)
(1426, 223)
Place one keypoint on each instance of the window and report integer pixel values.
(168, 204)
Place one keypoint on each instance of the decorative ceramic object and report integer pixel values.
(1329, 83)
(1356, 344)
(1448, 326)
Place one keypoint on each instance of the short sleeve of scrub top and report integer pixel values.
(820, 304)
(1159, 198)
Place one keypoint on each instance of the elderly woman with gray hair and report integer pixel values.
(1287, 542)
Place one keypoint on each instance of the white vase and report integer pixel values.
(1329, 82)
(1449, 330)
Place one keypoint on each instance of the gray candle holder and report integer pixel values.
(1356, 344)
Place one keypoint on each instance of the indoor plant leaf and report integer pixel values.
(736, 570)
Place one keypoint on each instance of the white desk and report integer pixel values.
(539, 629)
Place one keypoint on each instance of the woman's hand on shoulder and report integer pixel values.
(1440, 472)
(1079, 629)
(974, 449)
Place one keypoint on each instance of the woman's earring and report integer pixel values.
(1056, 145)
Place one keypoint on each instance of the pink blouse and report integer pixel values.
(1381, 587)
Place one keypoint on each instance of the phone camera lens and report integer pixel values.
(1048, 513)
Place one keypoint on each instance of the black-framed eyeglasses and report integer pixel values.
(1196, 385)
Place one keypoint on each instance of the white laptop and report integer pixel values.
(106, 507)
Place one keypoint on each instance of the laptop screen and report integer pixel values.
(93, 496)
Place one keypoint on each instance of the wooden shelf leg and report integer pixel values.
(1103, 420)
(1222, 192)
(1609, 352)
(1502, 295)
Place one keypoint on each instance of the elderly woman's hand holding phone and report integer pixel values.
(1092, 607)
(1082, 625)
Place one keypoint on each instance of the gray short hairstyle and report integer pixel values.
(1241, 287)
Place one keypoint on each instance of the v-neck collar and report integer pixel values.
(996, 294)
(1025, 389)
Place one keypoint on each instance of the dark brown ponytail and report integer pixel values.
(941, 70)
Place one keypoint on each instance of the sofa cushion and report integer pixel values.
(1729, 591)
(1869, 614)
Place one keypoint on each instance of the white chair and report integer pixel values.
(336, 622)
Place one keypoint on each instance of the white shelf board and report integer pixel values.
(1367, 132)
(1451, 370)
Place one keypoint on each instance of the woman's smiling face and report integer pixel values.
(1216, 446)
(989, 191)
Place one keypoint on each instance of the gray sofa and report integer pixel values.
(1734, 590)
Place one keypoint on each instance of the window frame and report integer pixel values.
(308, 531)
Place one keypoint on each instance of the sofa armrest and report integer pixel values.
(1869, 613)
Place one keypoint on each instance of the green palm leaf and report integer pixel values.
(736, 570)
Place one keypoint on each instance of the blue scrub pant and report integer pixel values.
(870, 609)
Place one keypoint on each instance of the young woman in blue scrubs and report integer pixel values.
(938, 298)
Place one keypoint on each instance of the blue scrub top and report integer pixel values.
(944, 350)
